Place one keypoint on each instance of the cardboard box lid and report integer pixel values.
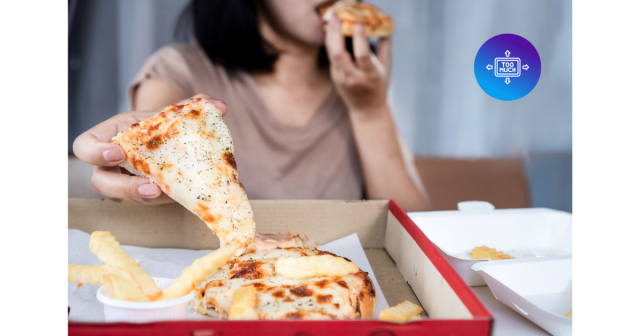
(173, 226)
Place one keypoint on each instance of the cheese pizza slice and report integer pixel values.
(347, 296)
(187, 150)
(376, 22)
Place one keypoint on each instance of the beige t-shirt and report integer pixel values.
(316, 161)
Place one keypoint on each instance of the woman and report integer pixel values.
(304, 126)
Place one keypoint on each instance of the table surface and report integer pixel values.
(507, 321)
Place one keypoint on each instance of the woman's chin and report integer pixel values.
(317, 40)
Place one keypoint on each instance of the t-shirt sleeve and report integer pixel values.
(168, 65)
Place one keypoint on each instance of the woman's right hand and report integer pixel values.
(94, 147)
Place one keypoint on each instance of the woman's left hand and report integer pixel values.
(361, 84)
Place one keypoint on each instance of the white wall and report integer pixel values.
(144, 26)
(110, 41)
(439, 106)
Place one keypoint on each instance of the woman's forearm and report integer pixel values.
(153, 94)
(385, 174)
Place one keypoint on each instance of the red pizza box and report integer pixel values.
(407, 265)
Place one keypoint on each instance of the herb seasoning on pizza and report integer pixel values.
(290, 279)
(187, 150)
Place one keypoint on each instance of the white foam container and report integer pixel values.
(538, 289)
(519, 232)
(144, 312)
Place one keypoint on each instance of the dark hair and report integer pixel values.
(227, 31)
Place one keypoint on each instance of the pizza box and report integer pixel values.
(406, 264)
(538, 289)
(521, 233)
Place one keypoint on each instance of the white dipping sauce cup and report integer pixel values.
(144, 312)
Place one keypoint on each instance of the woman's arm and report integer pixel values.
(386, 176)
(410, 164)
(363, 86)
(153, 94)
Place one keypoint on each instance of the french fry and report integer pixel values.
(109, 251)
(315, 266)
(243, 304)
(400, 313)
(85, 274)
(483, 252)
(569, 314)
(199, 271)
(123, 289)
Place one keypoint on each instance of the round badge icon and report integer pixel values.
(507, 67)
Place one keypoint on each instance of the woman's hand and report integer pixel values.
(94, 147)
(362, 84)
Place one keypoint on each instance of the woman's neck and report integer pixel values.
(297, 63)
(297, 88)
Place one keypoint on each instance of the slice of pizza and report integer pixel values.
(376, 22)
(344, 296)
(187, 150)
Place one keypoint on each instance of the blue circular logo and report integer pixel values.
(507, 67)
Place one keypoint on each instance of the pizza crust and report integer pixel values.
(376, 22)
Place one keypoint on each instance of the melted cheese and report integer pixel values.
(376, 22)
(187, 150)
(279, 297)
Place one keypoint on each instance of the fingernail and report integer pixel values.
(219, 104)
(113, 155)
(149, 190)
(359, 27)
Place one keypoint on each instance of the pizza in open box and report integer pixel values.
(277, 297)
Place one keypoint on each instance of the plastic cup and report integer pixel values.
(145, 312)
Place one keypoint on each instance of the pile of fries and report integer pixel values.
(126, 280)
